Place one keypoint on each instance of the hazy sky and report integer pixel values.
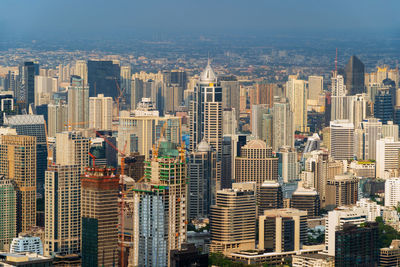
(91, 17)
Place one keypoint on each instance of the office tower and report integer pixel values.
(342, 190)
(257, 112)
(392, 192)
(103, 78)
(11, 81)
(62, 210)
(354, 76)
(267, 129)
(383, 108)
(25, 93)
(233, 221)
(57, 118)
(227, 162)
(306, 199)
(126, 82)
(338, 86)
(229, 122)
(44, 88)
(315, 87)
(159, 213)
(387, 156)
(26, 243)
(390, 130)
(99, 215)
(271, 196)
(256, 164)
(230, 94)
(357, 246)
(141, 132)
(72, 149)
(81, 70)
(297, 92)
(18, 163)
(288, 167)
(335, 221)
(390, 256)
(283, 129)
(136, 92)
(265, 93)
(372, 131)
(8, 211)
(201, 170)
(33, 125)
(282, 230)
(352, 108)
(78, 104)
(206, 112)
(175, 82)
(100, 112)
(342, 140)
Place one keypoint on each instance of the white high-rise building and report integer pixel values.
(72, 149)
(315, 87)
(257, 112)
(26, 243)
(335, 221)
(81, 70)
(387, 156)
(392, 192)
(282, 124)
(338, 86)
(100, 112)
(57, 118)
(44, 88)
(342, 140)
(371, 132)
(390, 130)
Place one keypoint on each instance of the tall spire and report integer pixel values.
(208, 74)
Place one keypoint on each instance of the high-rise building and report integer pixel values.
(25, 94)
(288, 167)
(175, 82)
(8, 211)
(338, 86)
(372, 131)
(78, 104)
(392, 192)
(306, 199)
(81, 70)
(33, 125)
(18, 163)
(335, 221)
(63, 210)
(354, 76)
(297, 91)
(256, 164)
(282, 230)
(103, 78)
(315, 87)
(390, 130)
(383, 106)
(233, 220)
(257, 112)
(126, 82)
(159, 214)
(57, 118)
(100, 112)
(387, 156)
(283, 129)
(201, 170)
(357, 245)
(342, 190)
(230, 94)
(342, 140)
(99, 215)
(44, 88)
(72, 149)
(271, 196)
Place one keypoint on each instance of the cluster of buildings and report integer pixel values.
(103, 167)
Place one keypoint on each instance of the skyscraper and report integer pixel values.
(78, 104)
(126, 82)
(306, 199)
(392, 192)
(387, 156)
(99, 213)
(283, 129)
(103, 78)
(81, 70)
(175, 82)
(63, 210)
(58, 118)
(297, 92)
(271, 196)
(25, 94)
(342, 140)
(288, 167)
(257, 112)
(72, 149)
(100, 112)
(315, 87)
(33, 125)
(354, 76)
(372, 131)
(342, 190)
(18, 163)
(233, 221)
(8, 211)
(383, 107)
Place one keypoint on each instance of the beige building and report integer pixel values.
(57, 118)
(233, 221)
(313, 260)
(18, 163)
(100, 112)
(72, 149)
(81, 70)
(342, 190)
(78, 104)
(297, 92)
(282, 230)
(62, 210)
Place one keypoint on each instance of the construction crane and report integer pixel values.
(93, 158)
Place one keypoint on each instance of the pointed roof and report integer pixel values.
(203, 146)
(208, 74)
